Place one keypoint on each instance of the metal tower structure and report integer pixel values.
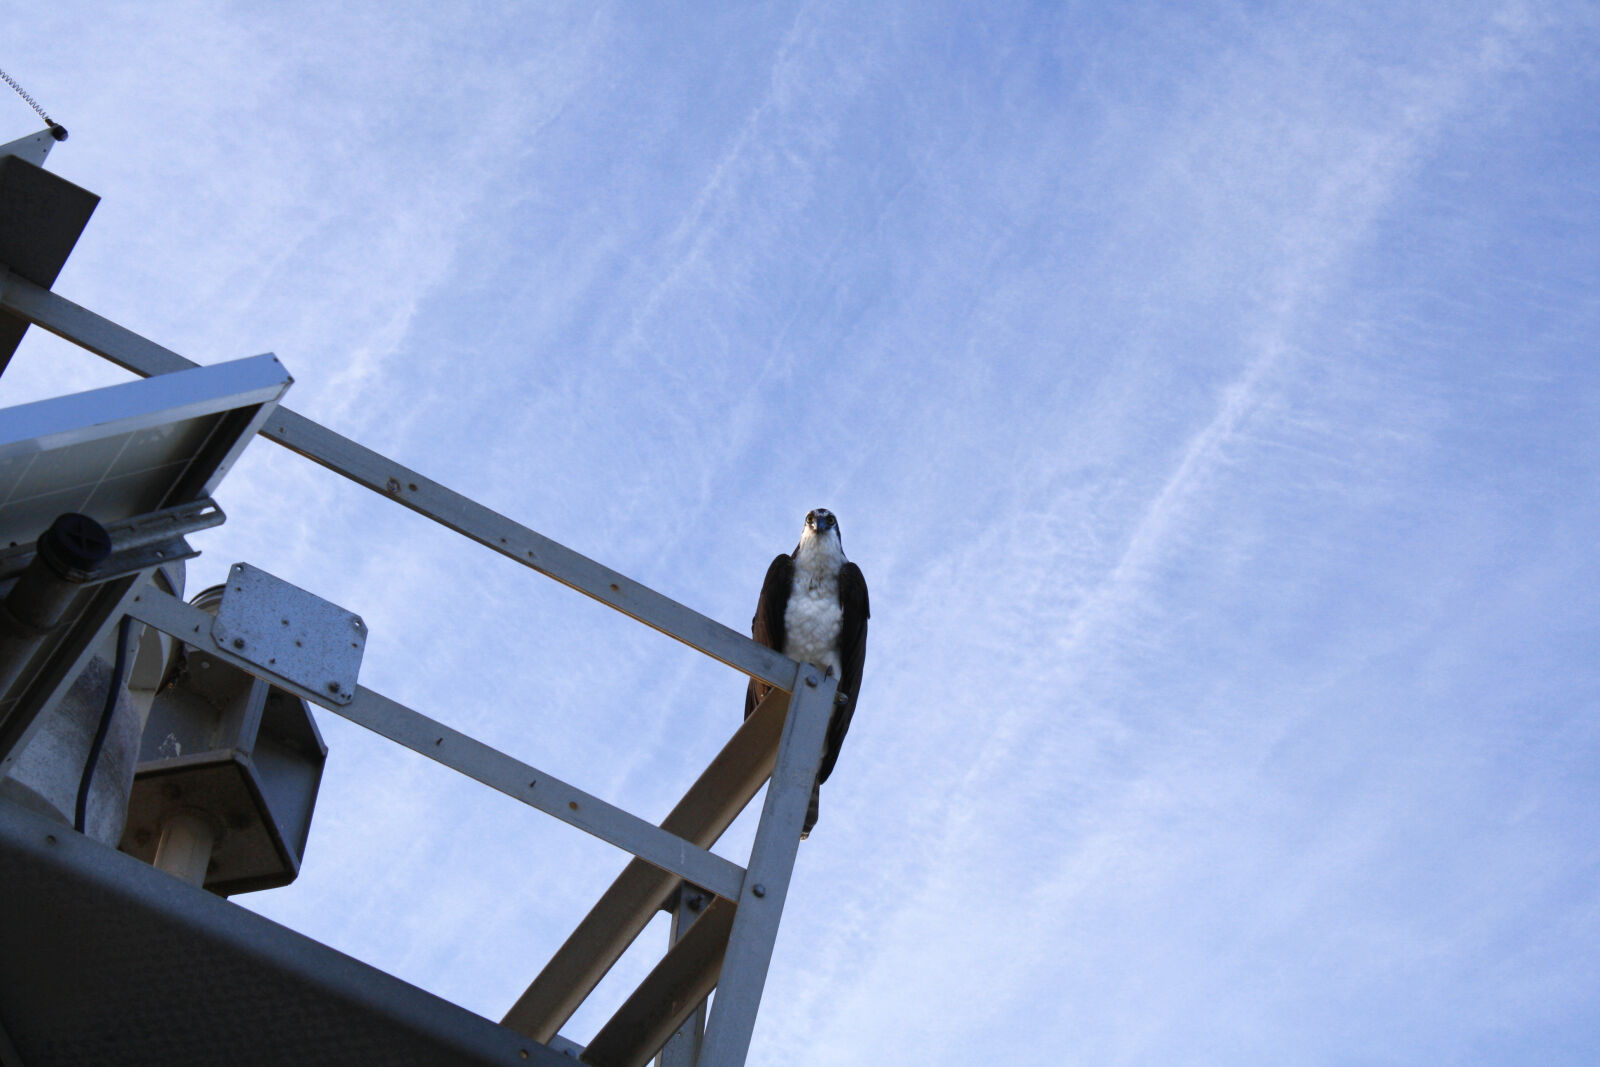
(107, 958)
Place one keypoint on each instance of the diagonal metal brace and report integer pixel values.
(674, 988)
(708, 808)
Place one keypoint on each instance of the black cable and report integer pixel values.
(118, 668)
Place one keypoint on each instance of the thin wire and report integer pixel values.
(24, 94)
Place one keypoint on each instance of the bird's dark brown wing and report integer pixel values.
(852, 657)
(767, 626)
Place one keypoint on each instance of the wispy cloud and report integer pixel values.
(1200, 388)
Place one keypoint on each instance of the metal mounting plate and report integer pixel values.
(289, 632)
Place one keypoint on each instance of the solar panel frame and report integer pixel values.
(125, 450)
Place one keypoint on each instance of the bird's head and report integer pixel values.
(821, 533)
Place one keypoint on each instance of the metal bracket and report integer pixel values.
(139, 543)
(289, 632)
(34, 148)
(164, 525)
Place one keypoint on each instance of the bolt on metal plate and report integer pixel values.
(291, 634)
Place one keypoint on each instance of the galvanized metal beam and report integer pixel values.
(515, 541)
(426, 497)
(708, 808)
(674, 988)
(766, 880)
(653, 845)
(84, 328)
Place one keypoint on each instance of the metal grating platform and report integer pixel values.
(106, 960)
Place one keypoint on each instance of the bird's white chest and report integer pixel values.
(813, 618)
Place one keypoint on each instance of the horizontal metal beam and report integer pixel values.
(708, 808)
(85, 329)
(669, 994)
(655, 846)
(670, 853)
(516, 541)
(426, 497)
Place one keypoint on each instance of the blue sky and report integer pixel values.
(1208, 392)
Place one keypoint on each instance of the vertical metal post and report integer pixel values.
(683, 1047)
(766, 882)
(184, 850)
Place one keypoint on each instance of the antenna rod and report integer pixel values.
(58, 131)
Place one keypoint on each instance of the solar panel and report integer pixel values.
(126, 450)
(133, 457)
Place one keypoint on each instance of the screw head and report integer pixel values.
(759, 890)
(238, 642)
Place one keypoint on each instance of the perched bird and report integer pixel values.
(813, 608)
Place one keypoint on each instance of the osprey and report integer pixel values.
(813, 608)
